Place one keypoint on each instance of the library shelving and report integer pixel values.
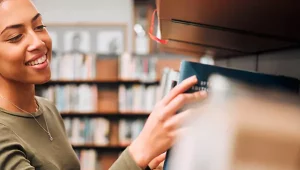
(101, 82)
(108, 148)
(104, 129)
(108, 115)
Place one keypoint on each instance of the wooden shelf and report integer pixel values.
(127, 115)
(231, 28)
(108, 148)
(108, 82)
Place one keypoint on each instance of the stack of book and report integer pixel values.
(73, 66)
(137, 67)
(87, 131)
(88, 159)
(68, 98)
(137, 98)
(129, 130)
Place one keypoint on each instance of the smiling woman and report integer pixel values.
(32, 133)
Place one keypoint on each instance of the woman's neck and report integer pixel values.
(19, 94)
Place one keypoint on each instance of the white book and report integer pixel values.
(101, 134)
(171, 76)
(122, 98)
(78, 66)
(75, 131)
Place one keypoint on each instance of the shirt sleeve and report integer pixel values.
(12, 154)
(125, 162)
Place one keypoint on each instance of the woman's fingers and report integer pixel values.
(175, 121)
(180, 88)
(161, 127)
(180, 101)
(157, 161)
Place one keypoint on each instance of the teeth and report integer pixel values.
(37, 61)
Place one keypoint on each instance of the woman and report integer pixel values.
(32, 131)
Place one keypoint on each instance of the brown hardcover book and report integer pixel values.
(107, 69)
(108, 100)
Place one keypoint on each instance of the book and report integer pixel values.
(169, 76)
(236, 135)
(88, 131)
(129, 129)
(204, 72)
(137, 98)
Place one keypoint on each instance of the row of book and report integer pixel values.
(129, 130)
(82, 131)
(137, 67)
(78, 66)
(88, 159)
(84, 97)
(67, 98)
(137, 98)
(97, 131)
(73, 66)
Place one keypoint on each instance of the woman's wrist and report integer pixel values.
(139, 153)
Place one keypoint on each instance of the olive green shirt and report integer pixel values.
(24, 145)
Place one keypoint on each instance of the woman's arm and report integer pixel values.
(12, 155)
(125, 162)
(161, 128)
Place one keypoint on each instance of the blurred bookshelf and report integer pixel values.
(105, 99)
(105, 108)
(105, 103)
(101, 148)
(111, 115)
(101, 82)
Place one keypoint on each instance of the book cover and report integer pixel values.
(203, 72)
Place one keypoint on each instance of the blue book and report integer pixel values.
(203, 72)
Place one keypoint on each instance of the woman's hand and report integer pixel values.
(163, 125)
(157, 163)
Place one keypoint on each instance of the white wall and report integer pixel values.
(94, 11)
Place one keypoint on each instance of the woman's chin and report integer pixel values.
(43, 80)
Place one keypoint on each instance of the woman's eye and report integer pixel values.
(40, 28)
(15, 39)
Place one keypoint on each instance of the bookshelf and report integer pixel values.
(96, 79)
(114, 127)
(99, 148)
(111, 115)
(101, 82)
(229, 29)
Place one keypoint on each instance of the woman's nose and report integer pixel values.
(35, 42)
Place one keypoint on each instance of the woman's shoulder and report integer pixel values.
(45, 103)
(43, 100)
(49, 108)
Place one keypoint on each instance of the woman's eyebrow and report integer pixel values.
(15, 26)
(36, 17)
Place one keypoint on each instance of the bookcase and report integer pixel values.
(104, 99)
(105, 111)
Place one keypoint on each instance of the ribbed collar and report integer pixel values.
(22, 114)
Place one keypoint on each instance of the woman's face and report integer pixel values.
(25, 45)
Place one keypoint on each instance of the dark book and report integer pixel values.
(203, 72)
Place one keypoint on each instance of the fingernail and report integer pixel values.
(195, 77)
